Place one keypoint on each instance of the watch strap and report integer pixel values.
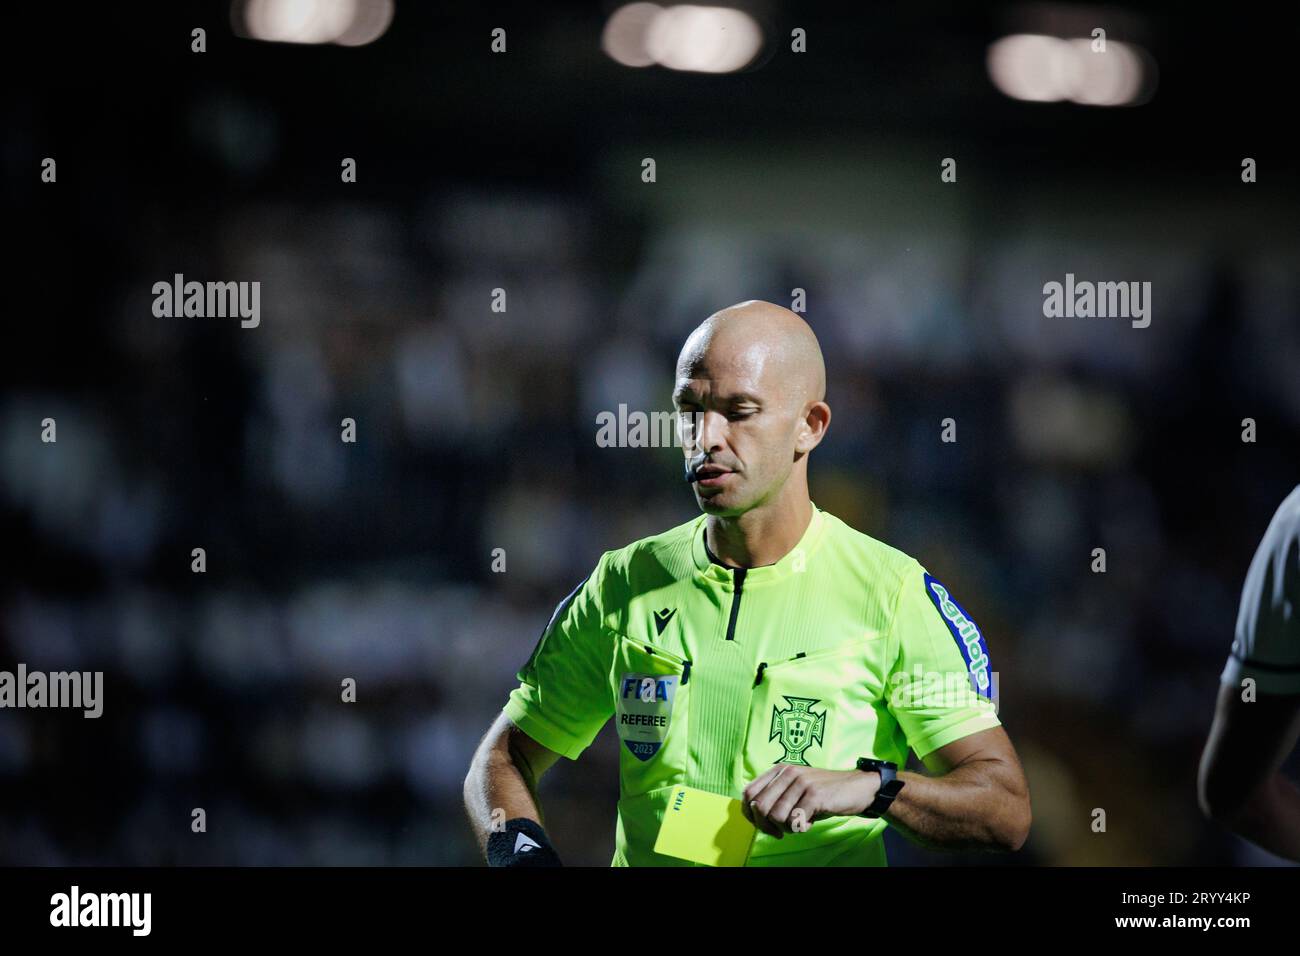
(890, 785)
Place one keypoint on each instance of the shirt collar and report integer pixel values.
(792, 563)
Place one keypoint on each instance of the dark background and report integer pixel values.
(476, 430)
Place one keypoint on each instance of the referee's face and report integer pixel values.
(733, 412)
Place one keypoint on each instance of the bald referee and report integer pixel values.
(765, 651)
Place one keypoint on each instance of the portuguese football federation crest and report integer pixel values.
(797, 727)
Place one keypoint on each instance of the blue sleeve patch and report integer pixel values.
(967, 635)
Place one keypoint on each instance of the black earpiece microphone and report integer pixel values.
(694, 463)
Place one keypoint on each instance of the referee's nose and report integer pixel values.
(711, 435)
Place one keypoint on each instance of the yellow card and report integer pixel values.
(705, 828)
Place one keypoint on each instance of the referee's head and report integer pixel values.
(750, 394)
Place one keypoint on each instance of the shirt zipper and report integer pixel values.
(739, 574)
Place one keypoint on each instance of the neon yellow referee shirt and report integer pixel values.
(844, 648)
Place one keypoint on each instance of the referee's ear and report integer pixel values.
(812, 429)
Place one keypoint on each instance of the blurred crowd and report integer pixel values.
(476, 431)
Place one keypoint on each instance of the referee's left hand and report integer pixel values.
(789, 799)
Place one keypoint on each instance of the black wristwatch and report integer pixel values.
(889, 785)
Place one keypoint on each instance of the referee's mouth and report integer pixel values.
(712, 476)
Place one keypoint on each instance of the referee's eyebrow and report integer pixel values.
(684, 392)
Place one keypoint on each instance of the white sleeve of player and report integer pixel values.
(1266, 646)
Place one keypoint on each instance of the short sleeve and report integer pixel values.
(941, 685)
(1266, 644)
(564, 696)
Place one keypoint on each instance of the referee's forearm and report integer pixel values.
(497, 790)
(980, 805)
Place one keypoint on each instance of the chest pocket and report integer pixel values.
(822, 709)
(652, 694)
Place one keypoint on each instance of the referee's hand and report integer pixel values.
(789, 799)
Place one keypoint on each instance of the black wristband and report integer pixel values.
(522, 843)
